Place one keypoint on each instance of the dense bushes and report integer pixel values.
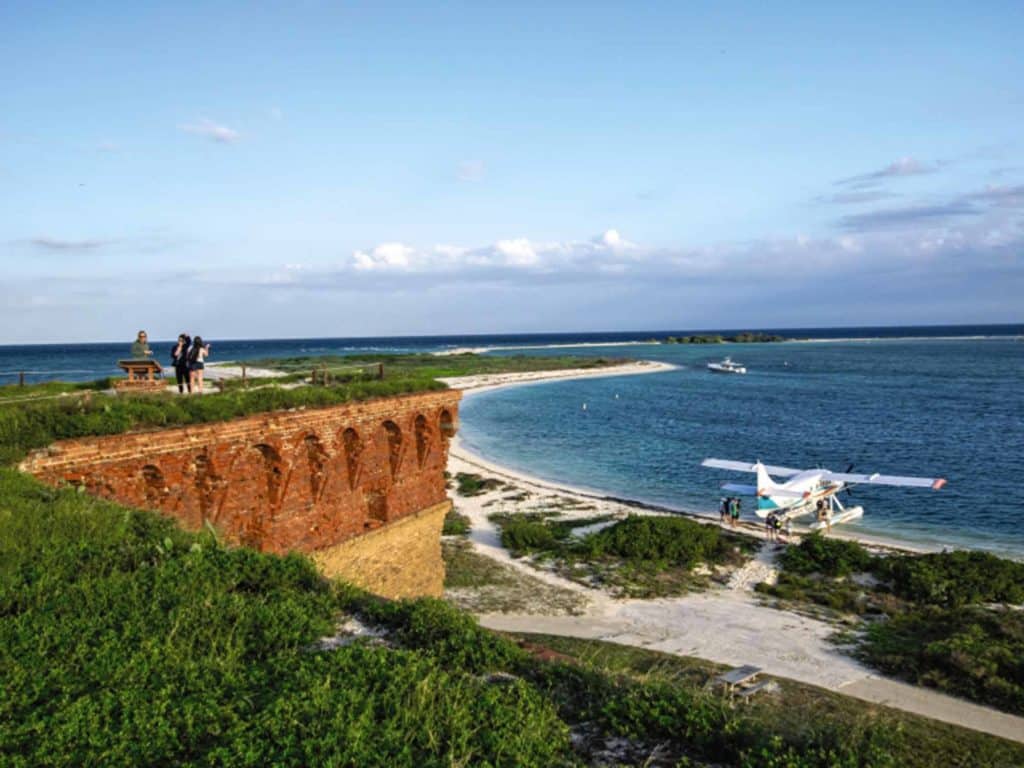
(972, 652)
(954, 578)
(673, 540)
(525, 535)
(829, 557)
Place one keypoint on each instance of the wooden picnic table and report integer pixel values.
(142, 375)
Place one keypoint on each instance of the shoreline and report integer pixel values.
(476, 385)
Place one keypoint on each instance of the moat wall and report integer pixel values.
(360, 486)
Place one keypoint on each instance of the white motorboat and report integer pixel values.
(726, 366)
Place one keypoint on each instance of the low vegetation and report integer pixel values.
(950, 620)
(430, 366)
(455, 524)
(125, 641)
(641, 556)
(470, 484)
(739, 338)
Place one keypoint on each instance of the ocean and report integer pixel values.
(936, 401)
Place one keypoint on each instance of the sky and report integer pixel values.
(304, 169)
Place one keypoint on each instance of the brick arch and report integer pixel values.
(154, 486)
(446, 424)
(393, 435)
(352, 447)
(207, 481)
(421, 428)
(317, 459)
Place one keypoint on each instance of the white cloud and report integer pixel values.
(384, 256)
(213, 131)
(518, 252)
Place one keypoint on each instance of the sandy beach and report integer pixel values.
(728, 624)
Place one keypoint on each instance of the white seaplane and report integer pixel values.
(810, 491)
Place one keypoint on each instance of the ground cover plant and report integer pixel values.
(641, 556)
(949, 620)
(432, 366)
(126, 641)
(455, 524)
(471, 484)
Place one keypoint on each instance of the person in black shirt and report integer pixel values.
(179, 356)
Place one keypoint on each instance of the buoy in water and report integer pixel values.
(584, 406)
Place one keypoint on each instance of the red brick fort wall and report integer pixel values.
(306, 480)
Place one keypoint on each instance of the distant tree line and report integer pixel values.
(747, 337)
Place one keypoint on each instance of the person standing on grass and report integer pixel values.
(197, 363)
(179, 357)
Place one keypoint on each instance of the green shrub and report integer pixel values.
(829, 557)
(954, 578)
(674, 540)
(972, 652)
(524, 535)
(455, 524)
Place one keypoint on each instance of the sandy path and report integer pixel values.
(726, 624)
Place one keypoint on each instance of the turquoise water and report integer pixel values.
(939, 407)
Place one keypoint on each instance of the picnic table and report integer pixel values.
(142, 376)
(743, 682)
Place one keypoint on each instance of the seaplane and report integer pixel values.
(809, 491)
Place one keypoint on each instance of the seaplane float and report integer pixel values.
(810, 491)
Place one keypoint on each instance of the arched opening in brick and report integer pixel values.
(422, 439)
(153, 485)
(394, 435)
(447, 424)
(353, 447)
(316, 455)
(376, 508)
(207, 482)
(272, 465)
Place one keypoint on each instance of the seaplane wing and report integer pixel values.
(746, 490)
(742, 466)
(914, 482)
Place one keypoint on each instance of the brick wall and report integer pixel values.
(306, 479)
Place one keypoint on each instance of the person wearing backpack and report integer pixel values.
(197, 363)
(179, 358)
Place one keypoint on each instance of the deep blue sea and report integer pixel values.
(916, 401)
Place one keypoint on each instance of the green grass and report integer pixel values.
(641, 556)
(125, 641)
(12, 392)
(432, 366)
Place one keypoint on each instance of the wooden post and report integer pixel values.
(380, 371)
(21, 379)
(312, 377)
(243, 376)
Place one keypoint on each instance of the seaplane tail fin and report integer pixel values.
(765, 484)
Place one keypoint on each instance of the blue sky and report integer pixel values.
(336, 169)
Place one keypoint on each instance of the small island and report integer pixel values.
(747, 337)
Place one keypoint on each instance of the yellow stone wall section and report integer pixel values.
(402, 559)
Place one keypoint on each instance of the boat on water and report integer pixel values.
(726, 366)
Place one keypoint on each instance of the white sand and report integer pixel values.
(724, 624)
